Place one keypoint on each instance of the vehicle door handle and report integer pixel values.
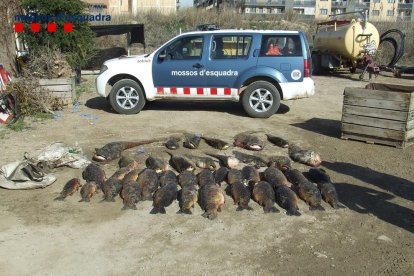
(198, 65)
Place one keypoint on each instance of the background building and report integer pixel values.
(393, 10)
(131, 6)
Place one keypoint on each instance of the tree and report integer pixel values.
(77, 45)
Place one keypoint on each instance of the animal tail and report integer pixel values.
(108, 199)
(293, 212)
(270, 208)
(316, 208)
(142, 142)
(60, 198)
(129, 206)
(185, 212)
(210, 214)
(338, 205)
(158, 210)
(246, 207)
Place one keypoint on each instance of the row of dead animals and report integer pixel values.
(245, 140)
(282, 185)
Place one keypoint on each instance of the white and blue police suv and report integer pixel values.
(258, 68)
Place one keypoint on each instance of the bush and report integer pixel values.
(77, 45)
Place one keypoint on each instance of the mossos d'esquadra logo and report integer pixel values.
(296, 74)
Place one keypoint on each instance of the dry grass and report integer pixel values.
(31, 98)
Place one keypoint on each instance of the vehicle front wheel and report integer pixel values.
(261, 99)
(127, 97)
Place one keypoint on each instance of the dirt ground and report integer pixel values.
(373, 236)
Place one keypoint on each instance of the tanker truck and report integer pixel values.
(345, 44)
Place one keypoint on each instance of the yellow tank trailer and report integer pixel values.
(344, 43)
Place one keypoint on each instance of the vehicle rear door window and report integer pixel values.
(280, 45)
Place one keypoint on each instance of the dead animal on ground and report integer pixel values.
(247, 140)
(305, 189)
(227, 161)
(264, 195)
(156, 164)
(220, 175)
(131, 194)
(95, 173)
(163, 197)
(173, 143)
(203, 162)
(326, 187)
(71, 187)
(250, 159)
(88, 190)
(114, 150)
(149, 183)
(192, 141)
(307, 157)
(280, 142)
(216, 143)
(211, 199)
(287, 199)
(241, 195)
(180, 163)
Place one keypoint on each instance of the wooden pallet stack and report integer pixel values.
(62, 89)
(380, 113)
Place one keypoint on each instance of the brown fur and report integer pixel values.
(306, 190)
(122, 172)
(114, 150)
(264, 195)
(111, 188)
(163, 197)
(131, 176)
(71, 187)
(211, 199)
(149, 182)
(275, 177)
(88, 190)
(94, 172)
(205, 177)
(251, 175)
(287, 199)
(234, 176)
(188, 198)
(241, 196)
(130, 194)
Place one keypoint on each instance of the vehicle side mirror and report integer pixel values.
(163, 54)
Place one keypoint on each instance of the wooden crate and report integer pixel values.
(379, 113)
(62, 89)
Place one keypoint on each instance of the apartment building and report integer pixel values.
(392, 10)
(131, 6)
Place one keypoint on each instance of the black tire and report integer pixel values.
(316, 64)
(127, 97)
(261, 99)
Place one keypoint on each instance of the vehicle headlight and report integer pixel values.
(103, 69)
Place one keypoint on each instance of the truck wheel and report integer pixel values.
(316, 64)
(127, 97)
(261, 99)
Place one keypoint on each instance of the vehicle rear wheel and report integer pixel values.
(261, 99)
(127, 97)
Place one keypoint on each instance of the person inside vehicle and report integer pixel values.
(273, 49)
(218, 51)
(289, 48)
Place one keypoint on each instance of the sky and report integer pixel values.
(186, 3)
